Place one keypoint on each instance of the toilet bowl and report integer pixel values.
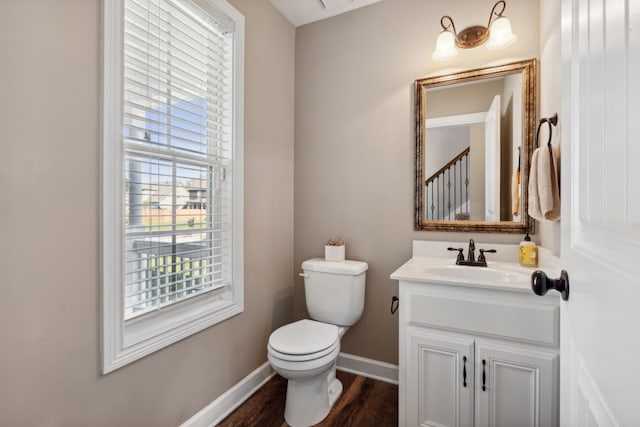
(309, 365)
(305, 352)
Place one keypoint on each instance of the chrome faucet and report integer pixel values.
(471, 255)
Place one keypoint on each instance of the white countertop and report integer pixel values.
(431, 262)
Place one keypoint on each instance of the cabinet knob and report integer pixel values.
(541, 283)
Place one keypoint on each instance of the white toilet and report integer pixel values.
(305, 352)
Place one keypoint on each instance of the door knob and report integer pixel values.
(541, 283)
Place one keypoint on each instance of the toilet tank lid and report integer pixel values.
(335, 267)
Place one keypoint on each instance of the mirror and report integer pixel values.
(474, 139)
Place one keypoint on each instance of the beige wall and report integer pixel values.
(477, 184)
(462, 99)
(550, 99)
(49, 304)
(354, 149)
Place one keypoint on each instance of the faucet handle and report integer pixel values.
(482, 258)
(460, 256)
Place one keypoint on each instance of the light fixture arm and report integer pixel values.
(493, 11)
(447, 27)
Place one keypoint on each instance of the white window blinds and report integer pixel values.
(177, 152)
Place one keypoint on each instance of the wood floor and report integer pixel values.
(364, 403)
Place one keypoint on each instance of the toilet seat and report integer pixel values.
(305, 367)
(301, 357)
(304, 340)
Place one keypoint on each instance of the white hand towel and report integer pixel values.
(534, 198)
(553, 213)
(545, 184)
(544, 191)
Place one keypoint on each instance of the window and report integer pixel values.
(172, 172)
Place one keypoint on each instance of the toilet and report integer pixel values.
(305, 352)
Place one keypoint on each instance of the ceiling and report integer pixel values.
(301, 12)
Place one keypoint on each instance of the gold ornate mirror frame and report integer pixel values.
(528, 70)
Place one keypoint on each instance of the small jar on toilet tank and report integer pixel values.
(334, 250)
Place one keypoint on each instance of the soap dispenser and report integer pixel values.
(528, 252)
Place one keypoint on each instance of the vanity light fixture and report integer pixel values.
(497, 32)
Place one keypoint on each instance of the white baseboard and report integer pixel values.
(368, 368)
(217, 410)
(220, 408)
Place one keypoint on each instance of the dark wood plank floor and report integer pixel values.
(364, 403)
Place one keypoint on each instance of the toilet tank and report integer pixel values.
(334, 291)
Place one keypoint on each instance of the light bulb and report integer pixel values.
(445, 47)
(500, 34)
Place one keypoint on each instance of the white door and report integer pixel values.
(515, 386)
(600, 121)
(439, 380)
(492, 161)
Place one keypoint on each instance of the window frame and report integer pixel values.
(124, 342)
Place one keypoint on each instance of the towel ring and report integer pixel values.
(551, 121)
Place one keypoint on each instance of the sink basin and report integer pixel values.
(473, 274)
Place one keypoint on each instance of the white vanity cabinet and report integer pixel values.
(520, 386)
(477, 356)
(436, 394)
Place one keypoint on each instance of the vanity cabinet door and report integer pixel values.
(439, 380)
(515, 387)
